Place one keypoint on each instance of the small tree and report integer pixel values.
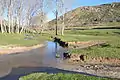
(64, 5)
(60, 9)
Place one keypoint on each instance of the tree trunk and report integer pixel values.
(18, 26)
(12, 27)
(5, 26)
(62, 32)
(22, 29)
(63, 26)
(56, 21)
(42, 30)
(2, 29)
(9, 23)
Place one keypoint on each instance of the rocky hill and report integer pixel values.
(92, 15)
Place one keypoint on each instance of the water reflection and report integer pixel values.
(51, 50)
(45, 56)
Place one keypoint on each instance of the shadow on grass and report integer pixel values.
(107, 28)
(117, 33)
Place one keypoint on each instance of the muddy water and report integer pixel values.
(14, 65)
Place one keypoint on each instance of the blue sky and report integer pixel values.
(78, 3)
(92, 2)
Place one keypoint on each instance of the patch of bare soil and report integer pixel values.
(78, 58)
(101, 66)
(106, 60)
(105, 67)
(15, 49)
(87, 44)
(83, 58)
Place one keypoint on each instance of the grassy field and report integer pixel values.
(22, 39)
(111, 36)
(60, 76)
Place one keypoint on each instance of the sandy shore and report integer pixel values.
(15, 49)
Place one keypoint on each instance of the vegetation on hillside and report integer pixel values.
(101, 15)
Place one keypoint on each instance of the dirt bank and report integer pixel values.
(86, 44)
(80, 58)
(101, 66)
(14, 49)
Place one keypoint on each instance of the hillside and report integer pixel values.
(101, 15)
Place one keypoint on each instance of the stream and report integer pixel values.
(43, 59)
(13, 66)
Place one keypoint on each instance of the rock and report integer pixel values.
(66, 55)
(96, 66)
(63, 44)
(82, 57)
(57, 39)
(51, 36)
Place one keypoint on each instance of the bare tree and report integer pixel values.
(32, 8)
(8, 5)
(63, 17)
(2, 8)
(19, 11)
(42, 15)
(60, 10)
(63, 6)
(13, 9)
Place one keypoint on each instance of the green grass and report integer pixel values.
(94, 32)
(19, 39)
(112, 37)
(59, 76)
(99, 52)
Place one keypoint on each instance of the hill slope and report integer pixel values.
(105, 14)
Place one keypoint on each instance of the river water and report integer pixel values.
(43, 59)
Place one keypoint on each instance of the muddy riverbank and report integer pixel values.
(102, 66)
(15, 49)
